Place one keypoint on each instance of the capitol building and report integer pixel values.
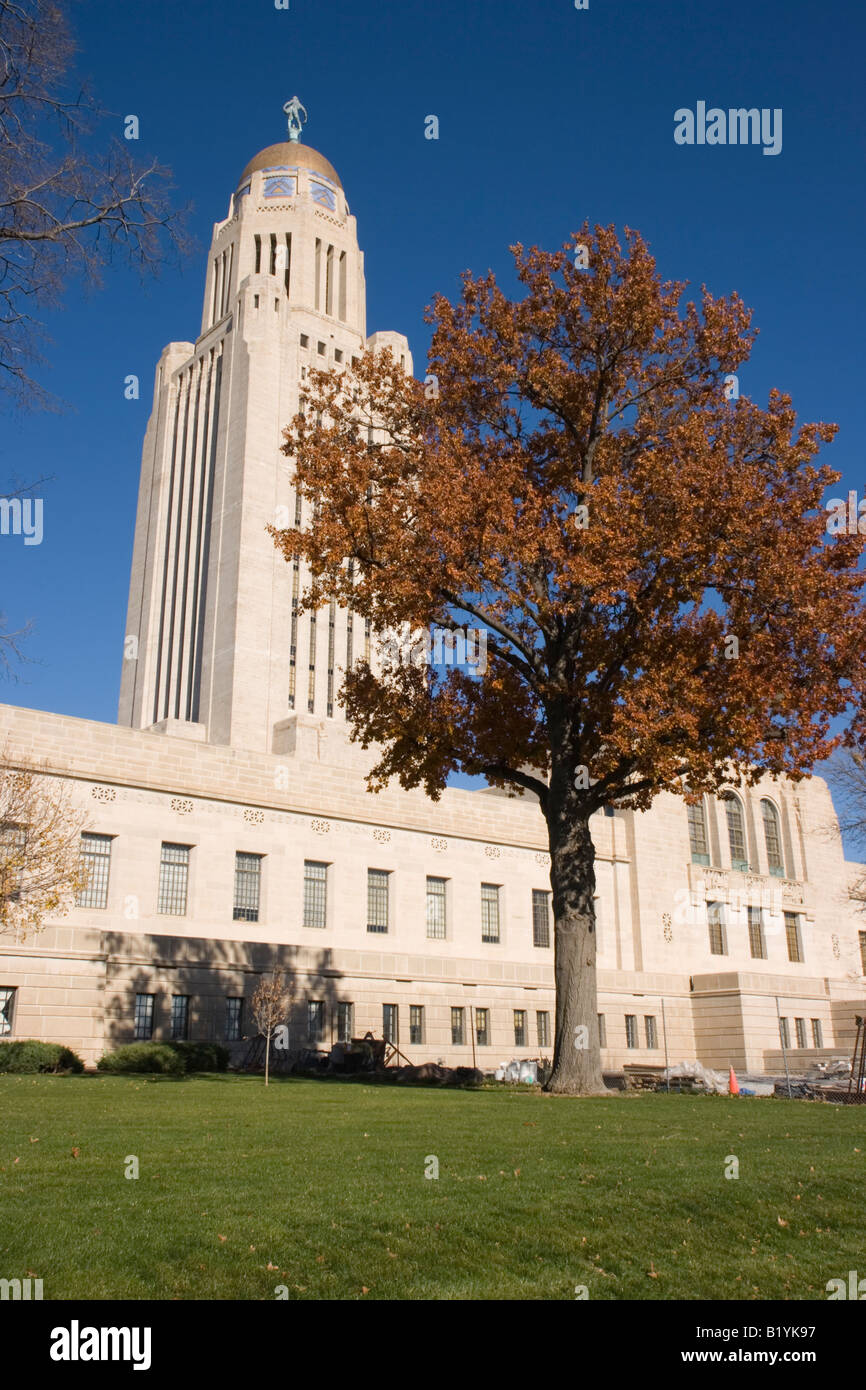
(229, 829)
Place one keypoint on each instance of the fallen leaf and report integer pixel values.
(652, 1272)
(222, 1238)
(75, 1153)
(270, 1266)
(364, 1289)
(778, 1218)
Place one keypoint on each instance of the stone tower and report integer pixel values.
(215, 648)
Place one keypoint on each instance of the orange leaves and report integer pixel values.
(596, 397)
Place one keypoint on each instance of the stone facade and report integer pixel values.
(231, 751)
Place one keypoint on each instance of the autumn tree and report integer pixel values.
(643, 547)
(40, 847)
(70, 198)
(269, 1005)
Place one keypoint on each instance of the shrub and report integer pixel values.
(202, 1056)
(29, 1055)
(143, 1057)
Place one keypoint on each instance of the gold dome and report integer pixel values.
(289, 154)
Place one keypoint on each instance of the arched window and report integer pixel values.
(698, 833)
(773, 839)
(736, 833)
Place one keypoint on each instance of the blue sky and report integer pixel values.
(548, 115)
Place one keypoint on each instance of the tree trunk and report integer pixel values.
(267, 1055)
(576, 1053)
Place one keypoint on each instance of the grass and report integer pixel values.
(320, 1187)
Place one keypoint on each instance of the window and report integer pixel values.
(609, 810)
(248, 879)
(757, 943)
(652, 1036)
(519, 1027)
(863, 952)
(95, 858)
(143, 1017)
(173, 879)
(458, 1032)
(792, 936)
(542, 1026)
(320, 349)
(234, 1018)
(338, 354)
(315, 1020)
(13, 842)
(180, 1016)
(305, 342)
(540, 917)
(631, 1030)
(817, 1033)
(736, 833)
(800, 1030)
(377, 900)
(258, 242)
(489, 912)
(315, 893)
(436, 908)
(784, 1033)
(698, 833)
(345, 1021)
(718, 945)
(772, 839)
(7, 1011)
(391, 1023)
(482, 1027)
(602, 1031)
(416, 1024)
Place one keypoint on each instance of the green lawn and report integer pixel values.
(320, 1186)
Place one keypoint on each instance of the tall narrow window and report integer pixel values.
(332, 636)
(542, 1026)
(436, 908)
(519, 1027)
(602, 1030)
(736, 833)
(315, 1020)
(416, 1024)
(273, 261)
(377, 900)
(490, 912)
(793, 938)
(716, 925)
(144, 1017)
(757, 943)
(329, 281)
(482, 1027)
(391, 1023)
(173, 880)
(772, 839)
(95, 859)
(315, 893)
(458, 1031)
(343, 286)
(652, 1034)
(800, 1028)
(817, 1033)
(631, 1030)
(180, 1016)
(540, 917)
(784, 1033)
(318, 274)
(287, 277)
(234, 1018)
(258, 243)
(248, 882)
(698, 833)
(311, 682)
(345, 1021)
(7, 1011)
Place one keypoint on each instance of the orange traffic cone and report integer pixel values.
(733, 1084)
